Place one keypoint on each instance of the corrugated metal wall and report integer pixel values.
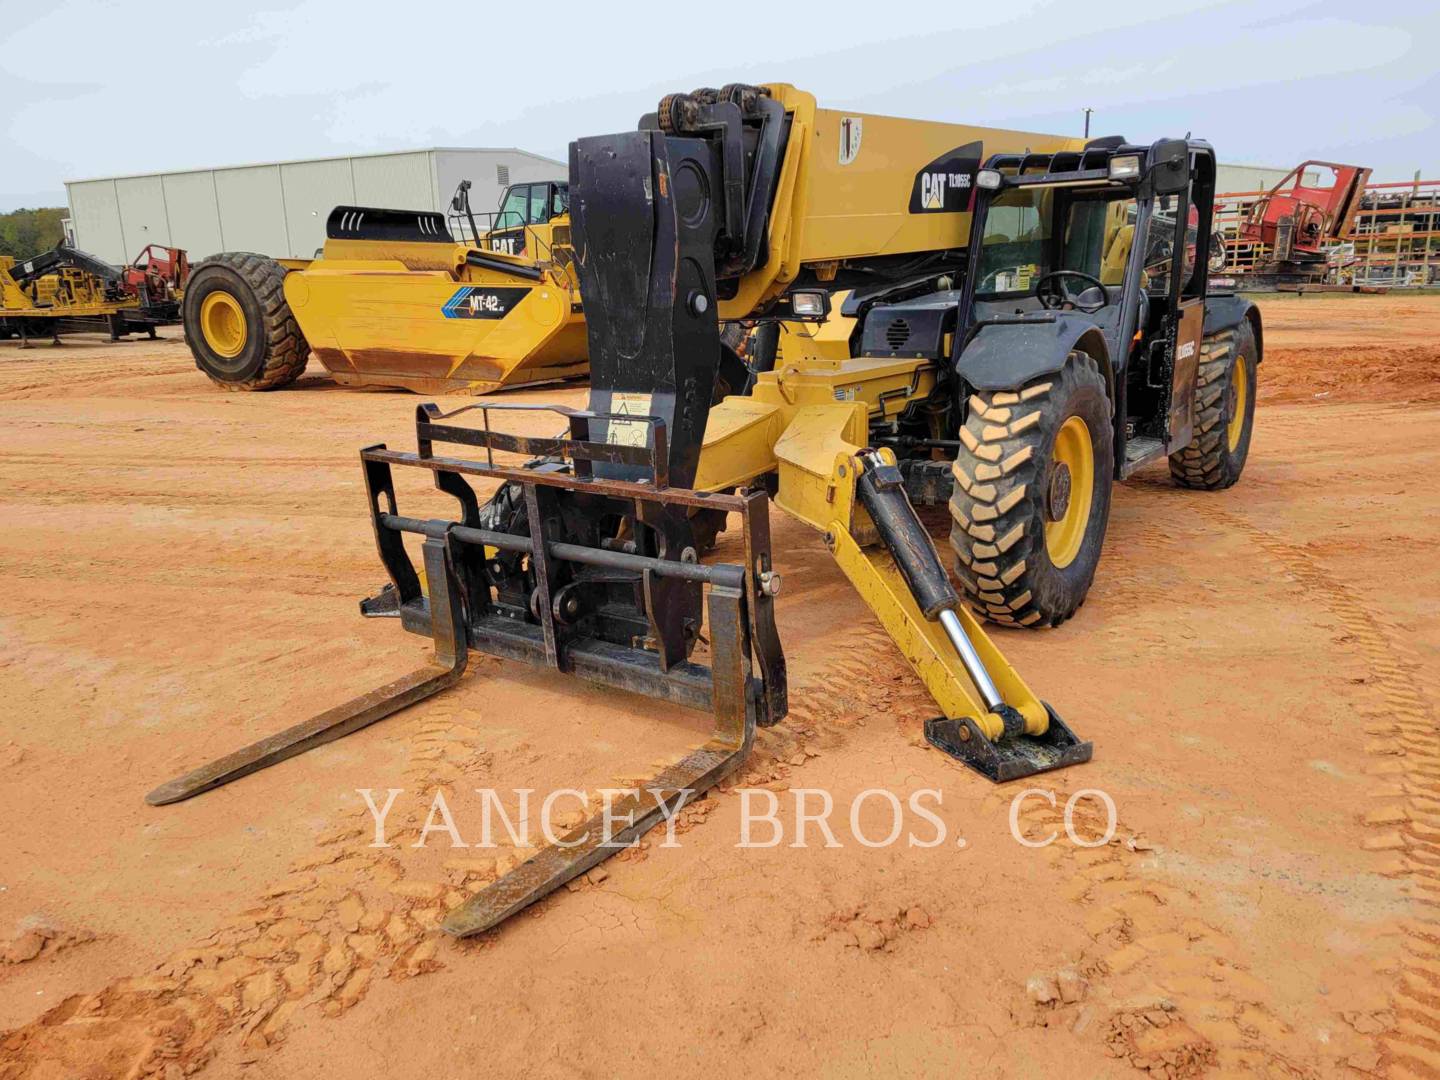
(95, 213)
(279, 209)
(309, 185)
(1233, 178)
(251, 204)
(193, 207)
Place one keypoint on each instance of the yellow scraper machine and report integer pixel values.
(1020, 323)
(396, 298)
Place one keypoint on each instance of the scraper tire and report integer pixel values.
(239, 326)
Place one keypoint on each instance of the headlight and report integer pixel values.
(989, 179)
(1124, 168)
(809, 305)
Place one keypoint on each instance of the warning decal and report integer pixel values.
(628, 432)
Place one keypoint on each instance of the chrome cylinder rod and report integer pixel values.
(974, 666)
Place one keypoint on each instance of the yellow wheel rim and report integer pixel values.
(222, 321)
(1072, 458)
(1240, 385)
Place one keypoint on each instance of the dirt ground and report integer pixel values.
(1255, 667)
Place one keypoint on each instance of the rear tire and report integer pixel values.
(1032, 495)
(238, 325)
(1224, 412)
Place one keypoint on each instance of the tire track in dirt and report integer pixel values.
(1139, 935)
(1210, 1011)
(312, 943)
(1405, 827)
(316, 941)
(1168, 993)
(1138, 930)
(92, 379)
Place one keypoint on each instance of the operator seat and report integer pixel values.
(1117, 252)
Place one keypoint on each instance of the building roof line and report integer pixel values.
(315, 160)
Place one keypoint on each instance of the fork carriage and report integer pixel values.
(622, 601)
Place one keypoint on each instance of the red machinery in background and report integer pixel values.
(67, 290)
(157, 276)
(1296, 221)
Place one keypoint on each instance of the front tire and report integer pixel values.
(1032, 495)
(1224, 412)
(238, 325)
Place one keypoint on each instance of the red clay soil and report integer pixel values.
(1331, 347)
(1256, 668)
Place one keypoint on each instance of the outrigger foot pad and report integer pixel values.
(1013, 757)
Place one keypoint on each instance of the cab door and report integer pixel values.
(507, 235)
(1175, 223)
(1189, 326)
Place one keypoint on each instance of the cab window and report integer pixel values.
(539, 204)
(1159, 254)
(1099, 236)
(1015, 246)
(513, 207)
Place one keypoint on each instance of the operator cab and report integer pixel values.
(1099, 241)
(1107, 236)
(1057, 235)
(1025, 234)
(510, 229)
(532, 204)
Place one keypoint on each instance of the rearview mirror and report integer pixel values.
(1170, 166)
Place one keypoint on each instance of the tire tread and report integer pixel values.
(286, 351)
(999, 471)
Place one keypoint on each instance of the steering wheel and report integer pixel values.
(1052, 294)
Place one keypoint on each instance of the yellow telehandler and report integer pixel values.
(1002, 321)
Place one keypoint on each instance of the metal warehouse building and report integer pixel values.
(1234, 178)
(279, 208)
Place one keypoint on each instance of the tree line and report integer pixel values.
(26, 233)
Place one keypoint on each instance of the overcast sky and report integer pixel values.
(97, 89)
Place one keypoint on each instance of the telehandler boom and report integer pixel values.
(742, 203)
